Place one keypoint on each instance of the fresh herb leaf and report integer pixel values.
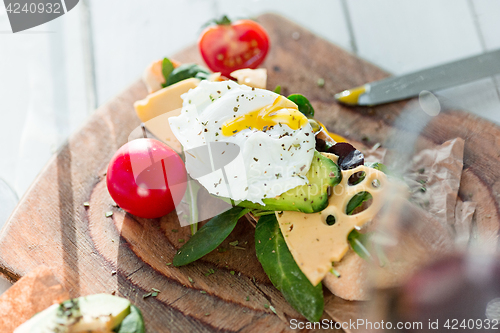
(356, 178)
(277, 89)
(209, 236)
(382, 167)
(358, 242)
(186, 71)
(133, 323)
(334, 272)
(286, 276)
(378, 166)
(303, 103)
(357, 200)
(166, 69)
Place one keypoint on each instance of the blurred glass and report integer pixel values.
(429, 274)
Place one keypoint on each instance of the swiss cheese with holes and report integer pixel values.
(313, 243)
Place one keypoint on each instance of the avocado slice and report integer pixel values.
(309, 198)
(94, 313)
(133, 323)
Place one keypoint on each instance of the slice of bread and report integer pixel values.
(33, 293)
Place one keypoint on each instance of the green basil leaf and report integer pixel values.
(303, 103)
(378, 166)
(359, 242)
(284, 273)
(166, 69)
(277, 89)
(211, 235)
(133, 323)
(357, 200)
(186, 71)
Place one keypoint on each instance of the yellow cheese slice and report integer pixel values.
(164, 100)
(160, 127)
(157, 107)
(313, 243)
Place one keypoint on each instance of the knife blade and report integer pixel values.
(431, 79)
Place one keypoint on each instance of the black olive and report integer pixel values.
(349, 157)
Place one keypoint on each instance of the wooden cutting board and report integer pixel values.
(122, 254)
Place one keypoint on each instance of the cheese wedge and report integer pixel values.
(313, 243)
(156, 108)
(164, 100)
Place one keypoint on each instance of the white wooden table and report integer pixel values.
(53, 76)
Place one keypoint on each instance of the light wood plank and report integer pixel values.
(403, 36)
(323, 17)
(129, 37)
(487, 15)
(42, 95)
(406, 36)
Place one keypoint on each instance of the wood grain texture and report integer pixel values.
(91, 253)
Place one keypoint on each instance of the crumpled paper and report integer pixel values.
(464, 212)
(434, 179)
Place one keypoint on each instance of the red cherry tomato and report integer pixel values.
(229, 46)
(146, 178)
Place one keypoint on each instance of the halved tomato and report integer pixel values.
(229, 46)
